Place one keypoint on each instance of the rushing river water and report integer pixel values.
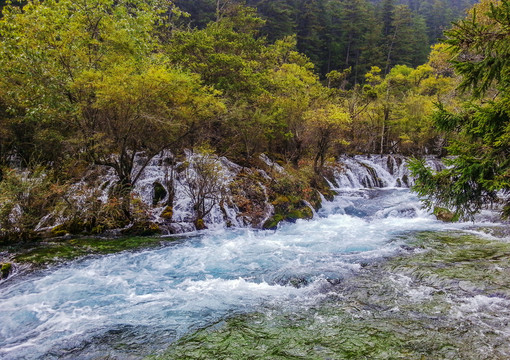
(132, 304)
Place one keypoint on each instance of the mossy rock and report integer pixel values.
(159, 193)
(315, 199)
(290, 215)
(142, 229)
(445, 215)
(59, 230)
(405, 180)
(281, 200)
(329, 194)
(273, 221)
(167, 213)
(302, 213)
(5, 270)
(199, 224)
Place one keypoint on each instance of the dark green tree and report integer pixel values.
(479, 170)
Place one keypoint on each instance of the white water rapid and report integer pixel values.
(130, 304)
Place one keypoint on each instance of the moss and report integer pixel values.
(144, 228)
(59, 230)
(281, 200)
(290, 214)
(273, 222)
(445, 215)
(302, 213)
(5, 270)
(50, 253)
(329, 194)
(159, 193)
(98, 229)
(59, 251)
(199, 224)
(167, 213)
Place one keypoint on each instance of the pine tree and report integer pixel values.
(479, 169)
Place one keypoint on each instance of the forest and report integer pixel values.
(90, 83)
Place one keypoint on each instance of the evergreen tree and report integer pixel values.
(280, 17)
(479, 169)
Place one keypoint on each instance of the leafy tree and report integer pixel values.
(204, 183)
(325, 126)
(338, 34)
(267, 88)
(479, 169)
(293, 91)
(88, 77)
(393, 113)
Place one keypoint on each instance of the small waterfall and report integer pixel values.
(240, 198)
(377, 171)
(175, 174)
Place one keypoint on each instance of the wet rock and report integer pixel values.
(159, 193)
(5, 270)
(445, 215)
(199, 224)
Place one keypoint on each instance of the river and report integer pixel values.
(132, 304)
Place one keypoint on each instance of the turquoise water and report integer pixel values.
(132, 304)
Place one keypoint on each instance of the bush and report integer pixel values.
(26, 198)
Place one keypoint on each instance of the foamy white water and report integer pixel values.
(155, 296)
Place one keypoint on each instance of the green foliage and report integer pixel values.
(97, 82)
(26, 198)
(338, 34)
(480, 166)
(393, 114)
(87, 77)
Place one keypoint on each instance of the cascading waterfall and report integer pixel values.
(132, 304)
(377, 171)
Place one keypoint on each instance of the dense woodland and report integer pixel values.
(339, 34)
(88, 83)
